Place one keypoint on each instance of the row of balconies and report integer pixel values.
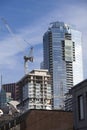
(40, 96)
(45, 94)
(40, 93)
(39, 106)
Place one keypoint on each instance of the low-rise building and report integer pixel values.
(79, 93)
(39, 120)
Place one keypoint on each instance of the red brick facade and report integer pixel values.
(48, 120)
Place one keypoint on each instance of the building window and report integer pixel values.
(86, 101)
(80, 107)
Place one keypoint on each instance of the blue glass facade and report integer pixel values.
(2, 97)
(63, 59)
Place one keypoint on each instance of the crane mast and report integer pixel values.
(27, 59)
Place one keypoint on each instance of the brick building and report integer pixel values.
(13, 88)
(79, 99)
(41, 120)
(48, 120)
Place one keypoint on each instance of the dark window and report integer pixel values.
(86, 101)
(80, 107)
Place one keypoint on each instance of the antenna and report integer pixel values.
(1, 81)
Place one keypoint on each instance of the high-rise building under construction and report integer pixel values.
(62, 52)
(35, 90)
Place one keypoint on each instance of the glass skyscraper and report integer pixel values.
(62, 52)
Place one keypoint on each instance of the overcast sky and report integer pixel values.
(28, 20)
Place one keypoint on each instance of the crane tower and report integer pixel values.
(26, 59)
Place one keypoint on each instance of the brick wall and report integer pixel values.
(48, 120)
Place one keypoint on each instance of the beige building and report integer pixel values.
(35, 90)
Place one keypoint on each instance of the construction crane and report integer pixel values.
(26, 58)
